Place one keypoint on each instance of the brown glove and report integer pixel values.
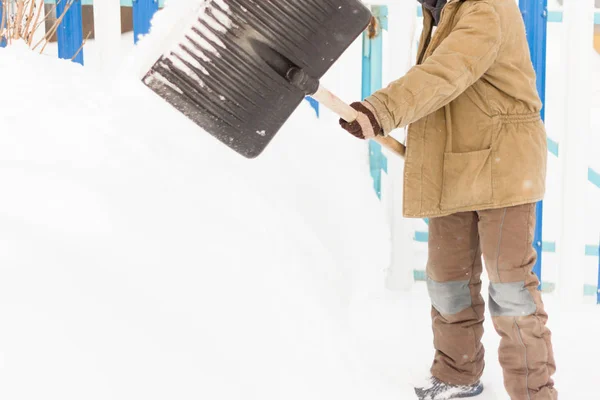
(366, 126)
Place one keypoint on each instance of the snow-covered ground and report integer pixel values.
(140, 259)
(136, 248)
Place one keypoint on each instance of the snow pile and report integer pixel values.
(142, 259)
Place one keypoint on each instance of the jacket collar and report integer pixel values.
(435, 8)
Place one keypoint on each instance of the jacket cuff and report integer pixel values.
(381, 113)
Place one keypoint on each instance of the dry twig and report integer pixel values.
(19, 19)
(53, 28)
(35, 26)
(22, 18)
(29, 17)
(82, 44)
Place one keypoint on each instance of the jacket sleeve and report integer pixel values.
(460, 60)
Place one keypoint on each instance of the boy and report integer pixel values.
(476, 166)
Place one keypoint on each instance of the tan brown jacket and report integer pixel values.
(476, 140)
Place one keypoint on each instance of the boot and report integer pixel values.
(438, 390)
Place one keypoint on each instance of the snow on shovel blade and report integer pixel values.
(227, 70)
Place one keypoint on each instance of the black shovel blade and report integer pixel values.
(227, 72)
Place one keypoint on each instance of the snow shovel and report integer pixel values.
(240, 68)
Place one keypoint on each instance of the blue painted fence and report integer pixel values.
(372, 80)
(2, 40)
(124, 3)
(314, 104)
(535, 15)
(143, 11)
(70, 31)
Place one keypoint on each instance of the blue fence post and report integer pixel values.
(372, 80)
(535, 15)
(314, 104)
(143, 11)
(70, 30)
(2, 24)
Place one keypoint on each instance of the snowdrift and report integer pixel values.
(142, 259)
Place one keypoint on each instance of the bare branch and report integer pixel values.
(82, 44)
(19, 19)
(29, 17)
(54, 27)
(35, 22)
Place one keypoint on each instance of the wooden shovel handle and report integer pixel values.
(349, 114)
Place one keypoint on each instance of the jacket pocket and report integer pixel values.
(467, 179)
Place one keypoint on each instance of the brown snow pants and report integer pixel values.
(505, 238)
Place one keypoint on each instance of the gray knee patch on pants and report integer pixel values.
(511, 300)
(449, 298)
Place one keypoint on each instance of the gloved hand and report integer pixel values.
(366, 126)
